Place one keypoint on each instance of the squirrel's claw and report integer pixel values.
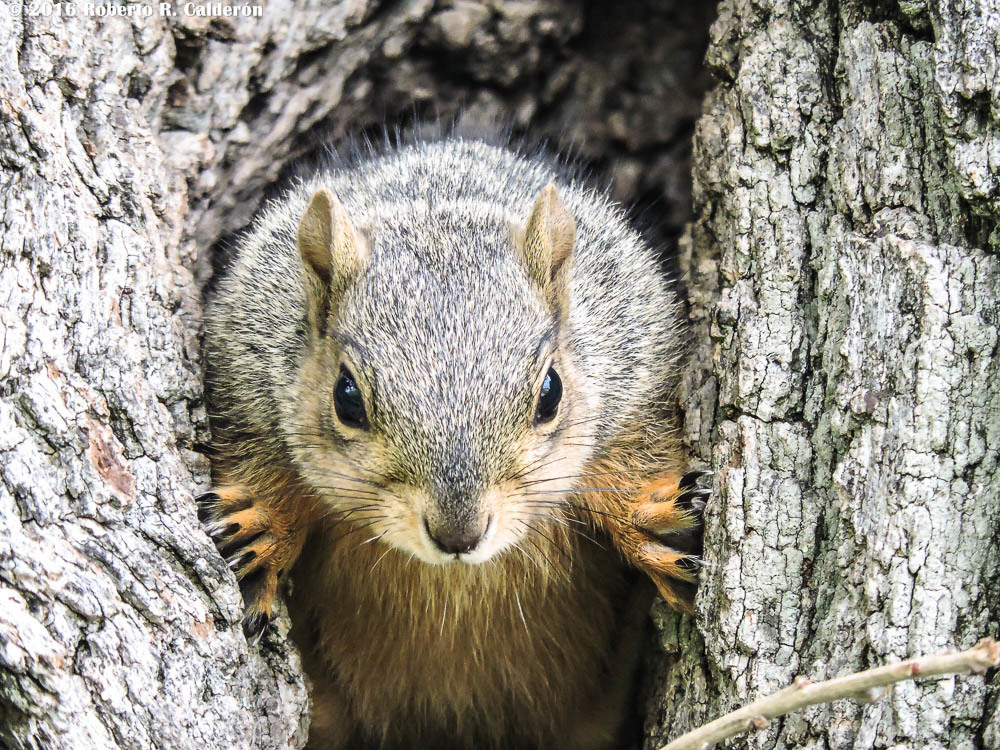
(663, 537)
(205, 503)
(677, 523)
(696, 478)
(694, 500)
(254, 626)
(259, 591)
(257, 546)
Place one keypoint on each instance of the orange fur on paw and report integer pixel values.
(660, 534)
(259, 543)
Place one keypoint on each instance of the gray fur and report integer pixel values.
(445, 313)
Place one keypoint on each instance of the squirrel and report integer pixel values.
(439, 384)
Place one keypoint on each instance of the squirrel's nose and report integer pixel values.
(456, 541)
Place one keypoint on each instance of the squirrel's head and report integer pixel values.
(442, 409)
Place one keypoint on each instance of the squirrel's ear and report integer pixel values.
(332, 252)
(548, 237)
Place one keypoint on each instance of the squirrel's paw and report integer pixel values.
(258, 546)
(664, 537)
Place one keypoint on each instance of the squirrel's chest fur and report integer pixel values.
(500, 654)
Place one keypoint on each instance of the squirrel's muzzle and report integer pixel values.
(457, 519)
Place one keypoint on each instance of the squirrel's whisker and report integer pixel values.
(571, 476)
(538, 548)
(532, 467)
(374, 538)
(360, 480)
(536, 529)
(341, 475)
(604, 514)
(361, 512)
(368, 515)
(348, 494)
(579, 507)
(353, 529)
(527, 557)
(380, 558)
(549, 516)
(587, 536)
(355, 489)
(520, 609)
(344, 513)
(622, 490)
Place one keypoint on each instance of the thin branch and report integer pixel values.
(860, 686)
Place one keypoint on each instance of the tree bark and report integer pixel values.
(129, 147)
(846, 389)
(116, 614)
(844, 381)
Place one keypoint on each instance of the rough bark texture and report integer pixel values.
(846, 287)
(844, 384)
(115, 612)
(128, 149)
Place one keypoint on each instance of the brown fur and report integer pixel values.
(415, 650)
(448, 322)
(398, 649)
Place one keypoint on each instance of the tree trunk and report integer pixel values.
(844, 383)
(846, 389)
(129, 147)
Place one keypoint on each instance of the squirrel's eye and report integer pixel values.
(348, 401)
(548, 399)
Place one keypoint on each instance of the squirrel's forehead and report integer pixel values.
(451, 332)
(472, 323)
(449, 324)
(458, 373)
(402, 290)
